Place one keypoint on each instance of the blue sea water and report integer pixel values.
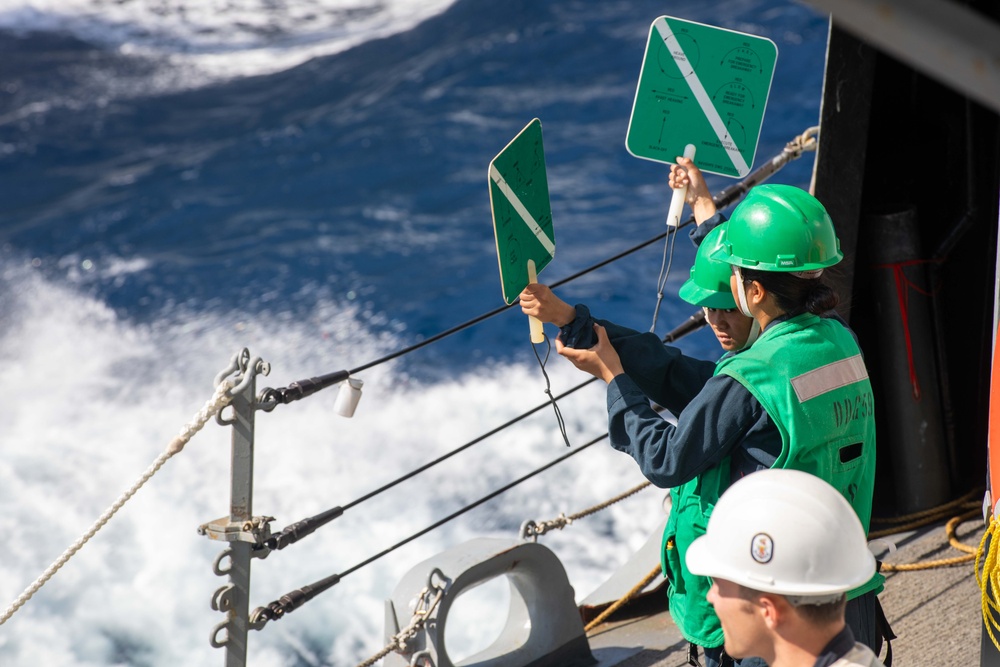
(308, 179)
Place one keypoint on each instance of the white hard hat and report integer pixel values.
(786, 532)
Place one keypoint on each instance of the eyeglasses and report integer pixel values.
(719, 310)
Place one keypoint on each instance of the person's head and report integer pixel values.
(778, 241)
(750, 618)
(709, 288)
(782, 547)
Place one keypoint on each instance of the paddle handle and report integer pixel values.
(535, 324)
(680, 194)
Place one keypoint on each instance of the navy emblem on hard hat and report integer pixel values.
(762, 548)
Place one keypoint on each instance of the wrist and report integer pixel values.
(703, 208)
(565, 317)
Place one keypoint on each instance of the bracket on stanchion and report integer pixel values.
(256, 531)
(247, 370)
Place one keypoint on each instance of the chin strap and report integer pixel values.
(754, 333)
(741, 292)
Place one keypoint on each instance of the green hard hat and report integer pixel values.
(780, 228)
(708, 285)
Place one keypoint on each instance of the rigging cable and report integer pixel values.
(296, 531)
(295, 599)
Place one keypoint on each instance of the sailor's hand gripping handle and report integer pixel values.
(680, 194)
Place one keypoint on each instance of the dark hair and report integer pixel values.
(817, 614)
(793, 294)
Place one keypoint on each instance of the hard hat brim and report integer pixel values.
(697, 295)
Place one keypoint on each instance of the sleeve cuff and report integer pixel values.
(579, 333)
(698, 234)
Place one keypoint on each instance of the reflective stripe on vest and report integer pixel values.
(827, 378)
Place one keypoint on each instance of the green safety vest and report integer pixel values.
(691, 505)
(808, 375)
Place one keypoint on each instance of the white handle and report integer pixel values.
(535, 324)
(680, 194)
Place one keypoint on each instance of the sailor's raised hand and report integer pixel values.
(698, 197)
(540, 302)
(678, 177)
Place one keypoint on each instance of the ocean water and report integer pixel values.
(307, 179)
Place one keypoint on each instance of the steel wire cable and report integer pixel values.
(293, 600)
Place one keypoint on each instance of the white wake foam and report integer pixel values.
(203, 41)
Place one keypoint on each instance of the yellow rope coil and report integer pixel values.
(988, 577)
(918, 519)
(934, 511)
(949, 530)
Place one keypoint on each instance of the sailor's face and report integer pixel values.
(730, 326)
(743, 626)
